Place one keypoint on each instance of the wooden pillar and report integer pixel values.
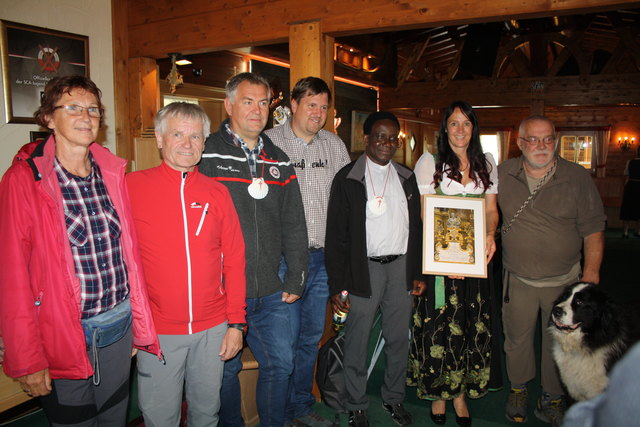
(311, 54)
(119, 23)
(144, 94)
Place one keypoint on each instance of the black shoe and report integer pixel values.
(358, 419)
(400, 415)
(463, 421)
(439, 419)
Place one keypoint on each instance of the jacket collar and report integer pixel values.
(269, 148)
(176, 175)
(108, 163)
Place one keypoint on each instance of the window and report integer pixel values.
(577, 147)
(490, 144)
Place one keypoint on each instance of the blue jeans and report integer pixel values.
(270, 339)
(310, 311)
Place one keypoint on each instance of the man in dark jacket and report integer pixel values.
(264, 189)
(373, 251)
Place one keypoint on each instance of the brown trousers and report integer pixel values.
(519, 319)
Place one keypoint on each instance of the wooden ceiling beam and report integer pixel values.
(521, 63)
(412, 61)
(161, 26)
(565, 54)
(518, 92)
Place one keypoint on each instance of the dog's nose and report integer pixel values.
(557, 311)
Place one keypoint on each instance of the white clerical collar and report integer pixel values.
(378, 167)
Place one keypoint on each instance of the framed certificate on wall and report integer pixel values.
(31, 56)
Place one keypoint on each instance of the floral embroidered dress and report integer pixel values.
(451, 346)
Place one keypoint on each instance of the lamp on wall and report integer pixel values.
(626, 143)
(175, 78)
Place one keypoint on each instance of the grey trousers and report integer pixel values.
(80, 403)
(193, 364)
(519, 319)
(389, 293)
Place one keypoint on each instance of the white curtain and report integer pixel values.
(503, 142)
(601, 148)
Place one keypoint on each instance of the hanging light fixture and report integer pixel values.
(174, 78)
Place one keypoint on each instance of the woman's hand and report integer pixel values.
(418, 288)
(490, 246)
(36, 384)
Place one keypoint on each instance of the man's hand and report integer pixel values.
(134, 351)
(339, 305)
(37, 384)
(289, 298)
(231, 344)
(418, 288)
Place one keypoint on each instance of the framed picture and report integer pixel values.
(357, 133)
(38, 136)
(454, 236)
(31, 56)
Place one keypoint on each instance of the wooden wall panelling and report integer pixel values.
(517, 92)
(216, 112)
(161, 26)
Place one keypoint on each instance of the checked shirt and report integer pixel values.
(93, 228)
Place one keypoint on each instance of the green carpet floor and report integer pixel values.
(618, 277)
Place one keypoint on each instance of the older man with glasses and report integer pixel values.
(551, 211)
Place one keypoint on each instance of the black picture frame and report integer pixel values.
(31, 56)
(38, 136)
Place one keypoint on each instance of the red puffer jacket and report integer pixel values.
(39, 293)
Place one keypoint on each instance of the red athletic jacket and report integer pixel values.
(192, 249)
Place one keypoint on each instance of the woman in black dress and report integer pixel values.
(453, 340)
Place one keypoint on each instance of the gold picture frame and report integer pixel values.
(453, 236)
(357, 132)
(31, 56)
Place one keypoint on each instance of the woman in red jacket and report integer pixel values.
(73, 301)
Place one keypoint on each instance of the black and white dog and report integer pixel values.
(590, 336)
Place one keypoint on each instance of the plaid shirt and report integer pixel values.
(252, 155)
(93, 227)
(316, 164)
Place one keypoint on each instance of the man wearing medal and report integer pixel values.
(317, 155)
(264, 188)
(373, 250)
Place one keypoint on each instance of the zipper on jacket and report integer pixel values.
(186, 247)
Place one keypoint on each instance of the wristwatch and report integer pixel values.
(239, 326)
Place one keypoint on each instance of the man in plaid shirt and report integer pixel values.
(317, 155)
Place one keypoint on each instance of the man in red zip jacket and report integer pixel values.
(193, 253)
